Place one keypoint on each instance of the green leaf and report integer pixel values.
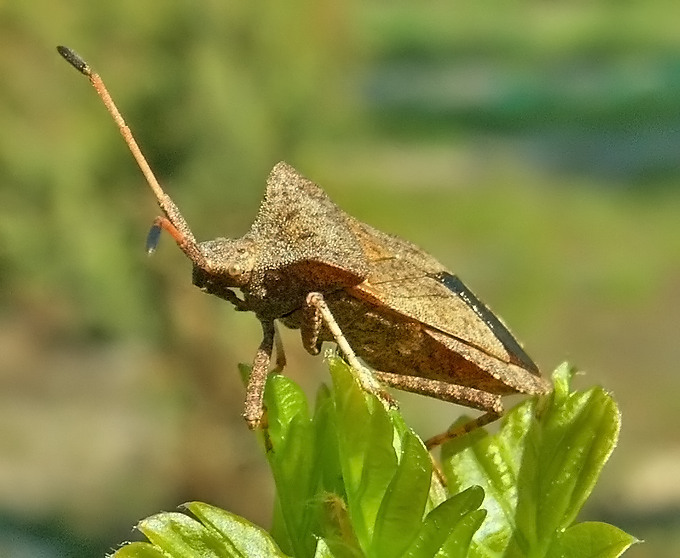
(327, 459)
(322, 550)
(450, 526)
(355, 481)
(181, 536)
(139, 550)
(457, 544)
(591, 540)
(493, 464)
(538, 470)
(337, 528)
(401, 510)
(365, 446)
(246, 539)
(216, 534)
(335, 524)
(289, 441)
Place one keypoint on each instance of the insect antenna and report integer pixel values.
(173, 222)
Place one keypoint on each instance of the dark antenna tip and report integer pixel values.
(152, 238)
(73, 58)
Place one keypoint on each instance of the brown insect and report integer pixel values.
(313, 267)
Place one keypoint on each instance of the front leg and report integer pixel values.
(318, 313)
(280, 353)
(230, 296)
(254, 407)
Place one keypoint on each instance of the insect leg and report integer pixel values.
(453, 393)
(363, 375)
(461, 430)
(253, 408)
(310, 327)
(461, 395)
(230, 296)
(280, 353)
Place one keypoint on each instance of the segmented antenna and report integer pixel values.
(174, 223)
(73, 58)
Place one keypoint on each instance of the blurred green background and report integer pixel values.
(533, 147)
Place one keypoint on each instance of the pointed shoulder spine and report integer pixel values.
(282, 171)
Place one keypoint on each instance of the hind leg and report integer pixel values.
(461, 395)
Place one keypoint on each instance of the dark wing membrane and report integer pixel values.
(453, 283)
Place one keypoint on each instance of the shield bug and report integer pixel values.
(311, 266)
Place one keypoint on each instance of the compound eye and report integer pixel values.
(235, 270)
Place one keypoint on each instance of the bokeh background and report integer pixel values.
(534, 147)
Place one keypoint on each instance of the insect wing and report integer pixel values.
(403, 277)
(456, 286)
